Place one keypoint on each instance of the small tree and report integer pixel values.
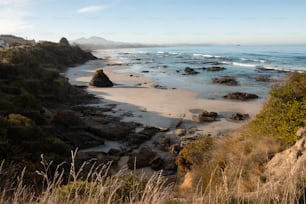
(64, 41)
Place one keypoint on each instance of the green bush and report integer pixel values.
(284, 112)
(22, 128)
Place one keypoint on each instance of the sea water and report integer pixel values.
(166, 66)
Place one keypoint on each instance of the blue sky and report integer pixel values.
(158, 21)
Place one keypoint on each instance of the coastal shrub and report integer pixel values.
(12, 88)
(131, 182)
(22, 128)
(194, 153)
(67, 118)
(284, 112)
(6, 106)
(27, 102)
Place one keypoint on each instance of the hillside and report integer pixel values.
(32, 93)
(96, 43)
(14, 40)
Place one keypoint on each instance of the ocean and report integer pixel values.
(166, 66)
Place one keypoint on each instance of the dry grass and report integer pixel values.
(98, 186)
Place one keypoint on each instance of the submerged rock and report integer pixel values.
(226, 80)
(263, 78)
(240, 96)
(100, 79)
(190, 71)
(214, 69)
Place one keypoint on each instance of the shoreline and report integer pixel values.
(140, 99)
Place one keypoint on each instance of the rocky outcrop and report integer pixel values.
(241, 96)
(145, 157)
(205, 117)
(135, 139)
(226, 80)
(289, 163)
(214, 69)
(100, 79)
(239, 116)
(190, 71)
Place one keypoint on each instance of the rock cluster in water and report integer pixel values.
(226, 80)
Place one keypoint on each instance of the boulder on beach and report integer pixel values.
(226, 80)
(190, 71)
(241, 96)
(100, 79)
(205, 117)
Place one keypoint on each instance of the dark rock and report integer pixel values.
(214, 69)
(190, 71)
(145, 157)
(114, 130)
(205, 117)
(135, 139)
(115, 64)
(115, 152)
(151, 131)
(100, 79)
(145, 71)
(178, 71)
(263, 78)
(157, 163)
(239, 116)
(240, 96)
(169, 163)
(226, 80)
(81, 139)
(160, 87)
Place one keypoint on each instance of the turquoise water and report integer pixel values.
(166, 65)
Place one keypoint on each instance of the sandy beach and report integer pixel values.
(140, 99)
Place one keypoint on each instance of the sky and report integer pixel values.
(158, 21)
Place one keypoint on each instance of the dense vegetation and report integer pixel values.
(31, 92)
(285, 111)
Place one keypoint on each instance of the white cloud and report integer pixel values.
(93, 8)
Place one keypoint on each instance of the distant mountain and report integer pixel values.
(96, 43)
(9, 40)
